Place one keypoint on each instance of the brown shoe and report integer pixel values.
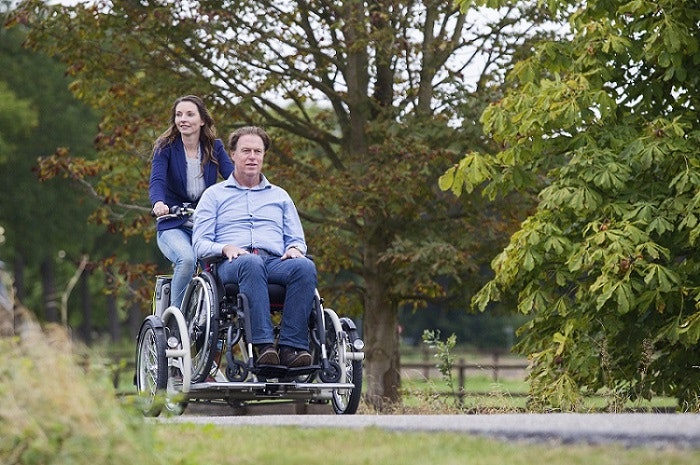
(267, 355)
(294, 358)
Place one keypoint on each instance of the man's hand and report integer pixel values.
(292, 252)
(232, 252)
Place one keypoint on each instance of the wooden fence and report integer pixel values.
(428, 369)
(496, 367)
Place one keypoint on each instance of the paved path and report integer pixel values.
(633, 429)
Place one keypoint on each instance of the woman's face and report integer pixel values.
(187, 118)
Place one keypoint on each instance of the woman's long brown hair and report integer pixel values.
(206, 136)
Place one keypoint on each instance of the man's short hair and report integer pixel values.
(248, 131)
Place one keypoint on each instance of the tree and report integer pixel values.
(42, 219)
(361, 98)
(605, 125)
(16, 118)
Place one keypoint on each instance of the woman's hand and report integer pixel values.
(160, 208)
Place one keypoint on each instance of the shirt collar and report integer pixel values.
(232, 182)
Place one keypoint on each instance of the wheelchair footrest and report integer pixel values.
(281, 371)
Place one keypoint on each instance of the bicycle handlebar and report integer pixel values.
(176, 211)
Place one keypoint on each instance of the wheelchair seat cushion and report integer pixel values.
(275, 291)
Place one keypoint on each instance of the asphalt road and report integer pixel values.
(631, 429)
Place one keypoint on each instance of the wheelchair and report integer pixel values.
(202, 352)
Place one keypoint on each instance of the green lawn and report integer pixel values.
(189, 444)
(483, 395)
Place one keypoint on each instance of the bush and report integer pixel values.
(54, 412)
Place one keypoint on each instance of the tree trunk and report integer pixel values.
(18, 268)
(115, 329)
(382, 363)
(380, 330)
(7, 304)
(51, 300)
(134, 320)
(86, 326)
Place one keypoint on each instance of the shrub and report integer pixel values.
(52, 411)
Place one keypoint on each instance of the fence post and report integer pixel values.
(496, 357)
(461, 378)
(426, 366)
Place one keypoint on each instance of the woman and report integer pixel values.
(186, 160)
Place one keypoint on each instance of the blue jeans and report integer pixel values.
(253, 273)
(176, 245)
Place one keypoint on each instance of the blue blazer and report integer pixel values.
(168, 181)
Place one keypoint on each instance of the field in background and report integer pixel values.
(486, 382)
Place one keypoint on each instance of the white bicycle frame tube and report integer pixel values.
(182, 352)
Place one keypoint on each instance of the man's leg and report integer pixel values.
(299, 277)
(248, 270)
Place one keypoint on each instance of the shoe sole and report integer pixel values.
(270, 358)
(301, 360)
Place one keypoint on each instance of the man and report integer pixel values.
(256, 227)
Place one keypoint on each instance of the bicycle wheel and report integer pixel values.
(201, 310)
(151, 367)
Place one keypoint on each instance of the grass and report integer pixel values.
(299, 446)
(483, 395)
(56, 410)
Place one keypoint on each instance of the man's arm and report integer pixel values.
(292, 229)
(204, 230)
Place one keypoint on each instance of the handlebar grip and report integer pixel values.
(176, 211)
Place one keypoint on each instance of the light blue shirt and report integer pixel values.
(262, 217)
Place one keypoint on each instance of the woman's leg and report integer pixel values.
(176, 245)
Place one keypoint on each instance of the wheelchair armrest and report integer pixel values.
(214, 259)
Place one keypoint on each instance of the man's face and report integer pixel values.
(248, 156)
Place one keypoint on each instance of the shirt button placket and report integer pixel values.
(250, 216)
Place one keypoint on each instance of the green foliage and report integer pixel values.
(605, 126)
(53, 412)
(29, 207)
(359, 98)
(16, 118)
(370, 147)
(388, 147)
(443, 351)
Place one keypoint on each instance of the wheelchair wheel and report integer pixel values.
(345, 401)
(200, 309)
(151, 367)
